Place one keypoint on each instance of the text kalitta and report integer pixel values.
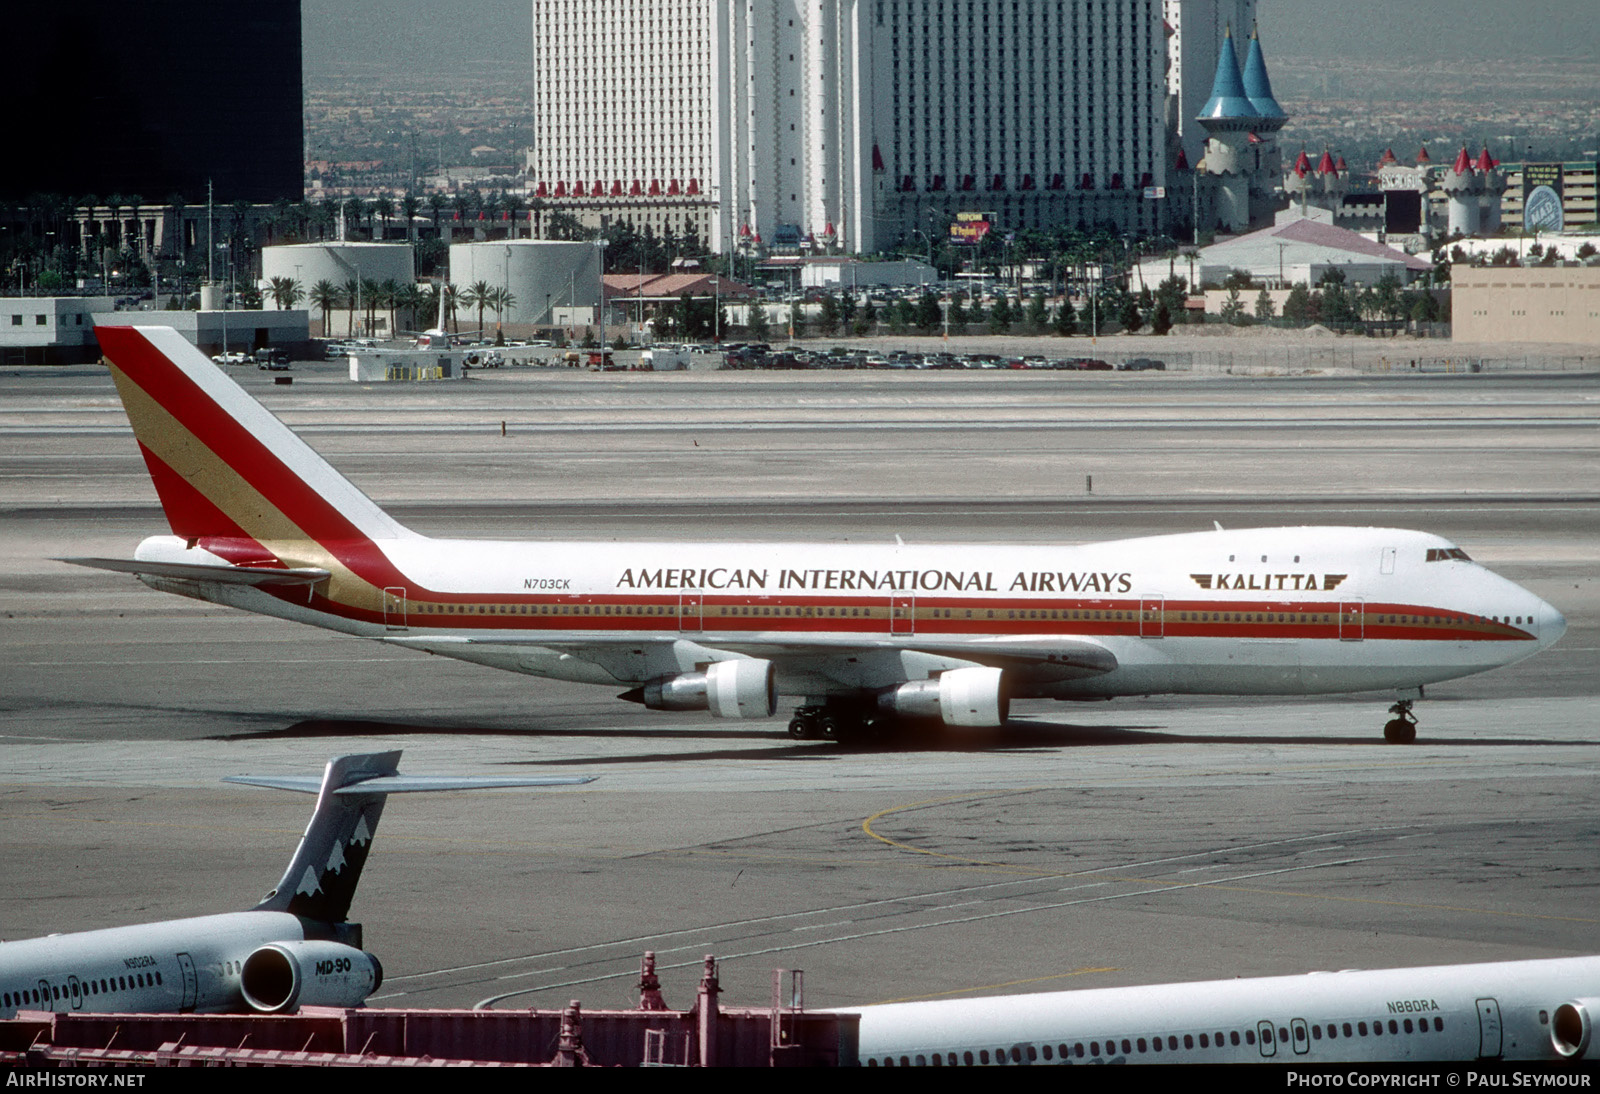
(898, 581)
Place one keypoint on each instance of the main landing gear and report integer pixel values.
(846, 724)
(1402, 728)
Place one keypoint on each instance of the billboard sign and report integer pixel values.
(970, 228)
(1542, 203)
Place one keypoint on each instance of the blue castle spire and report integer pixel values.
(1257, 87)
(1228, 97)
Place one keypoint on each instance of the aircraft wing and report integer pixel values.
(836, 664)
(408, 784)
(1089, 658)
(258, 576)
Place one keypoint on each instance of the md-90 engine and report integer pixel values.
(281, 977)
(1572, 1028)
(960, 697)
(728, 689)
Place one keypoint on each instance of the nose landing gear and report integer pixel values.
(1402, 728)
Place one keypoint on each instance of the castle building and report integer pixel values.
(1410, 205)
(1195, 30)
(1241, 120)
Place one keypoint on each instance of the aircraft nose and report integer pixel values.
(1552, 624)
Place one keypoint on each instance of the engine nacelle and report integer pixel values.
(960, 697)
(728, 689)
(281, 977)
(1572, 1027)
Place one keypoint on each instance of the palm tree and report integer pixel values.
(478, 295)
(384, 208)
(447, 306)
(114, 203)
(411, 205)
(501, 300)
(372, 299)
(349, 294)
(389, 293)
(325, 295)
(514, 207)
(285, 292)
(326, 216)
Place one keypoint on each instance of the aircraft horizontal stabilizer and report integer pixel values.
(258, 576)
(322, 876)
(408, 784)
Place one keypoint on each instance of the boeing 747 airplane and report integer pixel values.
(295, 948)
(1509, 1010)
(862, 635)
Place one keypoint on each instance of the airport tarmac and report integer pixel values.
(1083, 845)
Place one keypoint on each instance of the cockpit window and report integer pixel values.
(1440, 554)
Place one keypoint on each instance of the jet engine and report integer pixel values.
(975, 696)
(281, 977)
(728, 689)
(1572, 1027)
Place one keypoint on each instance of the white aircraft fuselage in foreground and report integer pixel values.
(1511, 1010)
(295, 948)
(862, 634)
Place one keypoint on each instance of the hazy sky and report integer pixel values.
(434, 35)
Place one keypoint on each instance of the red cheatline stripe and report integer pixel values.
(1451, 627)
(229, 441)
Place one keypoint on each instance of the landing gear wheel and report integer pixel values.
(1398, 731)
(832, 727)
(1402, 728)
(805, 726)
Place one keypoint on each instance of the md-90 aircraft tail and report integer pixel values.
(294, 948)
(321, 878)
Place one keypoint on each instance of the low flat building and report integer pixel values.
(1527, 304)
(51, 330)
(848, 273)
(1298, 252)
(216, 331)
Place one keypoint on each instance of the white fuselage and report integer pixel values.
(1515, 1010)
(179, 965)
(1262, 611)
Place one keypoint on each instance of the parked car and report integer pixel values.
(232, 357)
(1142, 364)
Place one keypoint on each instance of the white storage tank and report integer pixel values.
(309, 263)
(545, 277)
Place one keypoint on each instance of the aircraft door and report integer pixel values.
(394, 608)
(76, 992)
(1152, 617)
(1267, 1038)
(903, 613)
(1300, 1034)
(1489, 1029)
(191, 982)
(44, 995)
(1352, 620)
(691, 611)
